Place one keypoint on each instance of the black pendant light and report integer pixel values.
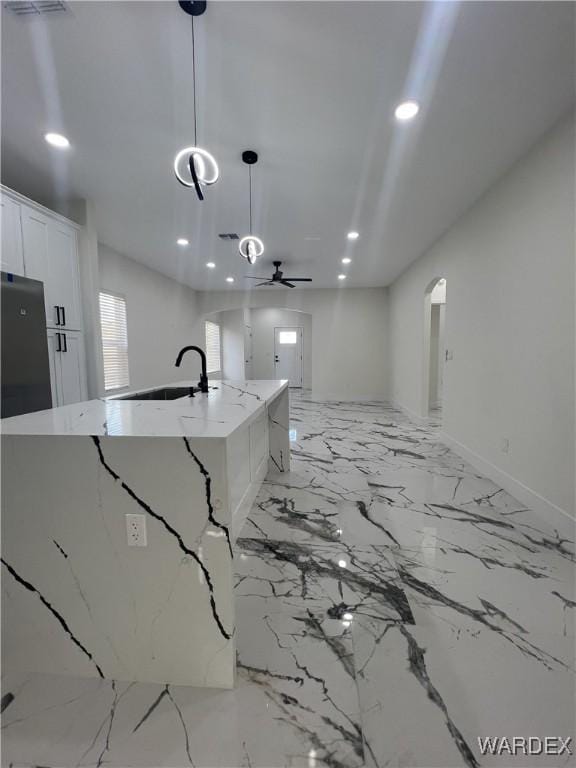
(194, 166)
(250, 246)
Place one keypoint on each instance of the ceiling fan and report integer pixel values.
(278, 278)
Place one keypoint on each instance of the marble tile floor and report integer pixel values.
(393, 607)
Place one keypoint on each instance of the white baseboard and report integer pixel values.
(378, 397)
(515, 488)
(410, 413)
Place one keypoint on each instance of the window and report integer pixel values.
(114, 340)
(287, 337)
(212, 347)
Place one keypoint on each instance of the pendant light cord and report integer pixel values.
(194, 81)
(250, 194)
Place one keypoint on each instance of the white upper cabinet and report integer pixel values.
(51, 255)
(63, 285)
(11, 258)
(35, 239)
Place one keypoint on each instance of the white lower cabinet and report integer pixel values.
(258, 446)
(67, 367)
(246, 467)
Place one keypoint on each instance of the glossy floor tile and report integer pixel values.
(326, 579)
(394, 607)
(429, 693)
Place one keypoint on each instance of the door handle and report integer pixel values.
(59, 347)
(57, 308)
(63, 315)
(65, 343)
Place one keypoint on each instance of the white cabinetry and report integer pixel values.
(51, 255)
(35, 242)
(247, 464)
(39, 244)
(67, 367)
(259, 447)
(63, 284)
(11, 259)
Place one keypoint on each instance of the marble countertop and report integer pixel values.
(227, 406)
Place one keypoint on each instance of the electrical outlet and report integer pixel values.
(505, 446)
(136, 530)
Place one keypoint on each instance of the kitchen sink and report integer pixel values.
(165, 393)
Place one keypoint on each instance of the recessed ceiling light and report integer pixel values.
(342, 563)
(182, 241)
(341, 277)
(406, 110)
(346, 260)
(210, 264)
(57, 140)
(348, 617)
(229, 279)
(353, 235)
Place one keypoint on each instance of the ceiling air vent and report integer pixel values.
(36, 7)
(228, 236)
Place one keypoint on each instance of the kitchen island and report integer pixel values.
(174, 478)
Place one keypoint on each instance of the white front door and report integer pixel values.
(288, 355)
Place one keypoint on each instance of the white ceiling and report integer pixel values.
(312, 87)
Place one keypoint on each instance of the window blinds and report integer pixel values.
(212, 347)
(114, 340)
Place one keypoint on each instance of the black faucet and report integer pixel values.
(203, 383)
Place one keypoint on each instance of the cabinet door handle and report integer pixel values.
(63, 315)
(57, 308)
(65, 343)
(59, 347)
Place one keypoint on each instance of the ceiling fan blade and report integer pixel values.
(252, 277)
(285, 282)
(268, 282)
(300, 279)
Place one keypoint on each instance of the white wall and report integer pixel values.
(263, 323)
(162, 318)
(509, 265)
(349, 333)
(88, 253)
(232, 339)
(435, 362)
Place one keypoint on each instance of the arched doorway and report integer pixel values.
(255, 342)
(434, 348)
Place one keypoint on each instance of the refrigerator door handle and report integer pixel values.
(63, 315)
(57, 308)
(59, 347)
(65, 343)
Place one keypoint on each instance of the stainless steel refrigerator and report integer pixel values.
(25, 365)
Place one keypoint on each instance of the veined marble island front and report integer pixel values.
(76, 598)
